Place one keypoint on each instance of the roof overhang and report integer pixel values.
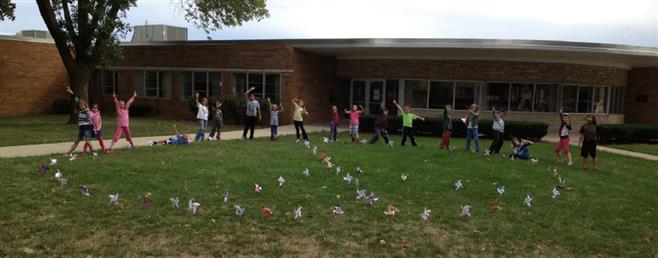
(621, 56)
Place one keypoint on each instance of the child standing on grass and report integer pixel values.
(355, 114)
(498, 129)
(85, 125)
(472, 127)
(520, 149)
(407, 123)
(588, 139)
(298, 118)
(202, 116)
(123, 119)
(563, 144)
(98, 126)
(333, 124)
(217, 122)
(447, 128)
(274, 119)
(252, 114)
(380, 127)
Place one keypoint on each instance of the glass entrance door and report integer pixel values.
(375, 97)
(358, 93)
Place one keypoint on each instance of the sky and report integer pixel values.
(629, 22)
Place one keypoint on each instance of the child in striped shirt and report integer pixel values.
(85, 126)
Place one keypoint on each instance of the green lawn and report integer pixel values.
(642, 148)
(606, 213)
(53, 128)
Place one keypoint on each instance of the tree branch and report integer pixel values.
(48, 15)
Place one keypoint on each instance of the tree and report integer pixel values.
(87, 32)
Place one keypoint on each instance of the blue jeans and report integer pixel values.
(274, 130)
(334, 131)
(380, 132)
(472, 133)
(201, 135)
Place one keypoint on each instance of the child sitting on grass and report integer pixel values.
(274, 119)
(407, 123)
(355, 113)
(179, 139)
(520, 148)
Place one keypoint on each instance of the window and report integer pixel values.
(266, 85)
(415, 93)
(569, 98)
(272, 87)
(498, 95)
(545, 98)
(465, 94)
(106, 81)
(152, 84)
(521, 97)
(207, 84)
(600, 99)
(585, 96)
(616, 100)
(441, 94)
(392, 91)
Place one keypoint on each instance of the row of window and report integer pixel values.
(157, 84)
(524, 97)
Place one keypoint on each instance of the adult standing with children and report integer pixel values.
(252, 115)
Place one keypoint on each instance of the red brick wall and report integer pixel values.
(313, 80)
(32, 75)
(642, 81)
(483, 71)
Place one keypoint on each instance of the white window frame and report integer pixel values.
(158, 83)
(115, 80)
(263, 75)
(208, 85)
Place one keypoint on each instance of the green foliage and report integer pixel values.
(628, 133)
(61, 106)
(234, 108)
(212, 15)
(7, 10)
(433, 127)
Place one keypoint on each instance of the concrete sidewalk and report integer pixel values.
(574, 141)
(62, 147)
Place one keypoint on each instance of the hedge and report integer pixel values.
(628, 133)
(433, 127)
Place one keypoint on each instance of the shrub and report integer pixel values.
(433, 127)
(142, 110)
(628, 133)
(234, 108)
(61, 106)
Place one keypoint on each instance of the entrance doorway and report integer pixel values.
(372, 94)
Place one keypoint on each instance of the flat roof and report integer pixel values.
(600, 54)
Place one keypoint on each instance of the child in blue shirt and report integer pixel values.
(179, 139)
(520, 148)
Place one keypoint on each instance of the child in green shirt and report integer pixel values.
(407, 123)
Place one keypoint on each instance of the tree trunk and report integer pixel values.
(79, 80)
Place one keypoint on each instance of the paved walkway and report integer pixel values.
(60, 148)
(574, 141)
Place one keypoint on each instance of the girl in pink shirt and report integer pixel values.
(355, 113)
(123, 117)
(98, 126)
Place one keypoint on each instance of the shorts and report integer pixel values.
(563, 145)
(588, 149)
(85, 132)
(354, 130)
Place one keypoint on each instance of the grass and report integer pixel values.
(53, 128)
(642, 148)
(606, 213)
